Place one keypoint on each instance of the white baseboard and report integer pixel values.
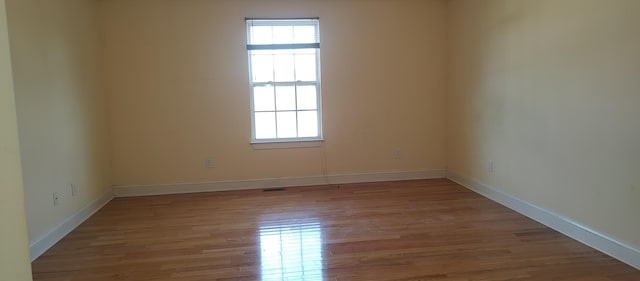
(41, 244)
(590, 237)
(587, 236)
(161, 189)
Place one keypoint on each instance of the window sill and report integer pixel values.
(287, 144)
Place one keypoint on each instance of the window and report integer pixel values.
(284, 74)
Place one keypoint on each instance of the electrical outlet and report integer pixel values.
(490, 166)
(208, 163)
(74, 190)
(397, 153)
(56, 199)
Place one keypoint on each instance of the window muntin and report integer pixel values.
(284, 78)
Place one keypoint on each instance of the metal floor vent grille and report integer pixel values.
(273, 189)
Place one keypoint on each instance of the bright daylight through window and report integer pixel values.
(284, 68)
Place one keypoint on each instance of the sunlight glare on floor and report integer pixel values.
(291, 250)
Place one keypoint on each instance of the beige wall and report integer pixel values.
(179, 93)
(55, 51)
(550, 91)
(14, 251)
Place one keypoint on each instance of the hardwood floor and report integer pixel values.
(409, 230)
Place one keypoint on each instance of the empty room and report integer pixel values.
(320, 140)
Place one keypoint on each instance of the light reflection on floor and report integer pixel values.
(291, 250)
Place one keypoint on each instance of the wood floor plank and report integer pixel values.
(406, 230)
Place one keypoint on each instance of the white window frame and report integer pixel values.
(310, 141)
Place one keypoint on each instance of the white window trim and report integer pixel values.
(287, 144)
(274, 143)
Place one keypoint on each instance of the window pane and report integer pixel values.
(287, 52)
(285, 98)
(308, 124)
(261, 35)
(283, 65)
(305, 51)
(262, 67)
(286, 124)
(304, 34)
(263, 99)
(306, 67)
(265, 125)
(307, 97)
(282, 34)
